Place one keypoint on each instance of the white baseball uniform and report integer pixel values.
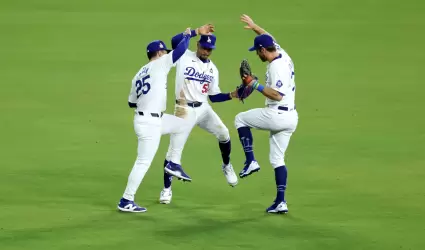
(278, 117)
(149, 91)
(195, 81)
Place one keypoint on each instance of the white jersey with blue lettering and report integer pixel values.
(195, 79)
(280, 76)
(149, 85)
(281, 122)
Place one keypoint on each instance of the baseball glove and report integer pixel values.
(245, 72)
(243, 91)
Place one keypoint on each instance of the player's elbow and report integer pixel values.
(212, 98)
(276, 96)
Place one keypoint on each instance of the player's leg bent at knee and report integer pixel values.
(224, 144)
(247, 140)
(174, 125)
(225, 149)
(172, 163)
(254, 118)
(212, 123)
(245, 137)
(173, 166)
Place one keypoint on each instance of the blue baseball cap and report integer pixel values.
(207, 41)
(156, 45)
(262, 41)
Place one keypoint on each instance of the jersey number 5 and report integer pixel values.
(205, 88)
(143, 86)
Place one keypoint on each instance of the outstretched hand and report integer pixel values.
(248, 21)
(206, 29)
(187, 31)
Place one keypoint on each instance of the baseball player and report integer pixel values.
(279, 116)
(197, 78)
(148, 96)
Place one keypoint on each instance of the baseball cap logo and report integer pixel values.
(161, 46)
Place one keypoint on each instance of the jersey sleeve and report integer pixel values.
(279, 79)
(167, 61)
(278, 47)
(132, 97)
(183, 56)
(214, 87)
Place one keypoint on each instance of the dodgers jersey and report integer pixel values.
(195, 80)
(149, 85)
(280, 76)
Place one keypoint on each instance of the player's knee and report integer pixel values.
(277, 161)
(239, 121)
(223, 135)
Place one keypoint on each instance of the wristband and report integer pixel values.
(256, 85)
(260, 88)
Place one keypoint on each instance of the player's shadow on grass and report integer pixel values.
(201, 220)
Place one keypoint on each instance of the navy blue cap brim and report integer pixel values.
(207, 45)
(252, 48)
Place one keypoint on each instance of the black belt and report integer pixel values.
(285, 108)
(152, 114)
(191, 104)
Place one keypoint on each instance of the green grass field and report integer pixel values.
(356, 162)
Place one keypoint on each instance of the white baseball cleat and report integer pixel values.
(130, 206)
(165, 196)
(231, 177)
(249, 169)
(278, 208)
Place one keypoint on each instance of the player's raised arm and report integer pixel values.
(250, 25)
(203, 30)
(182, 46)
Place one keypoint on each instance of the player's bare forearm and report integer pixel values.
(257, 29)
(266, 91)
(272, 94)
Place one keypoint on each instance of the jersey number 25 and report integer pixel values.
(143, 86)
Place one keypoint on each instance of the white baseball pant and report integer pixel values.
(149, 130)
(203, 116)
(281, 125)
